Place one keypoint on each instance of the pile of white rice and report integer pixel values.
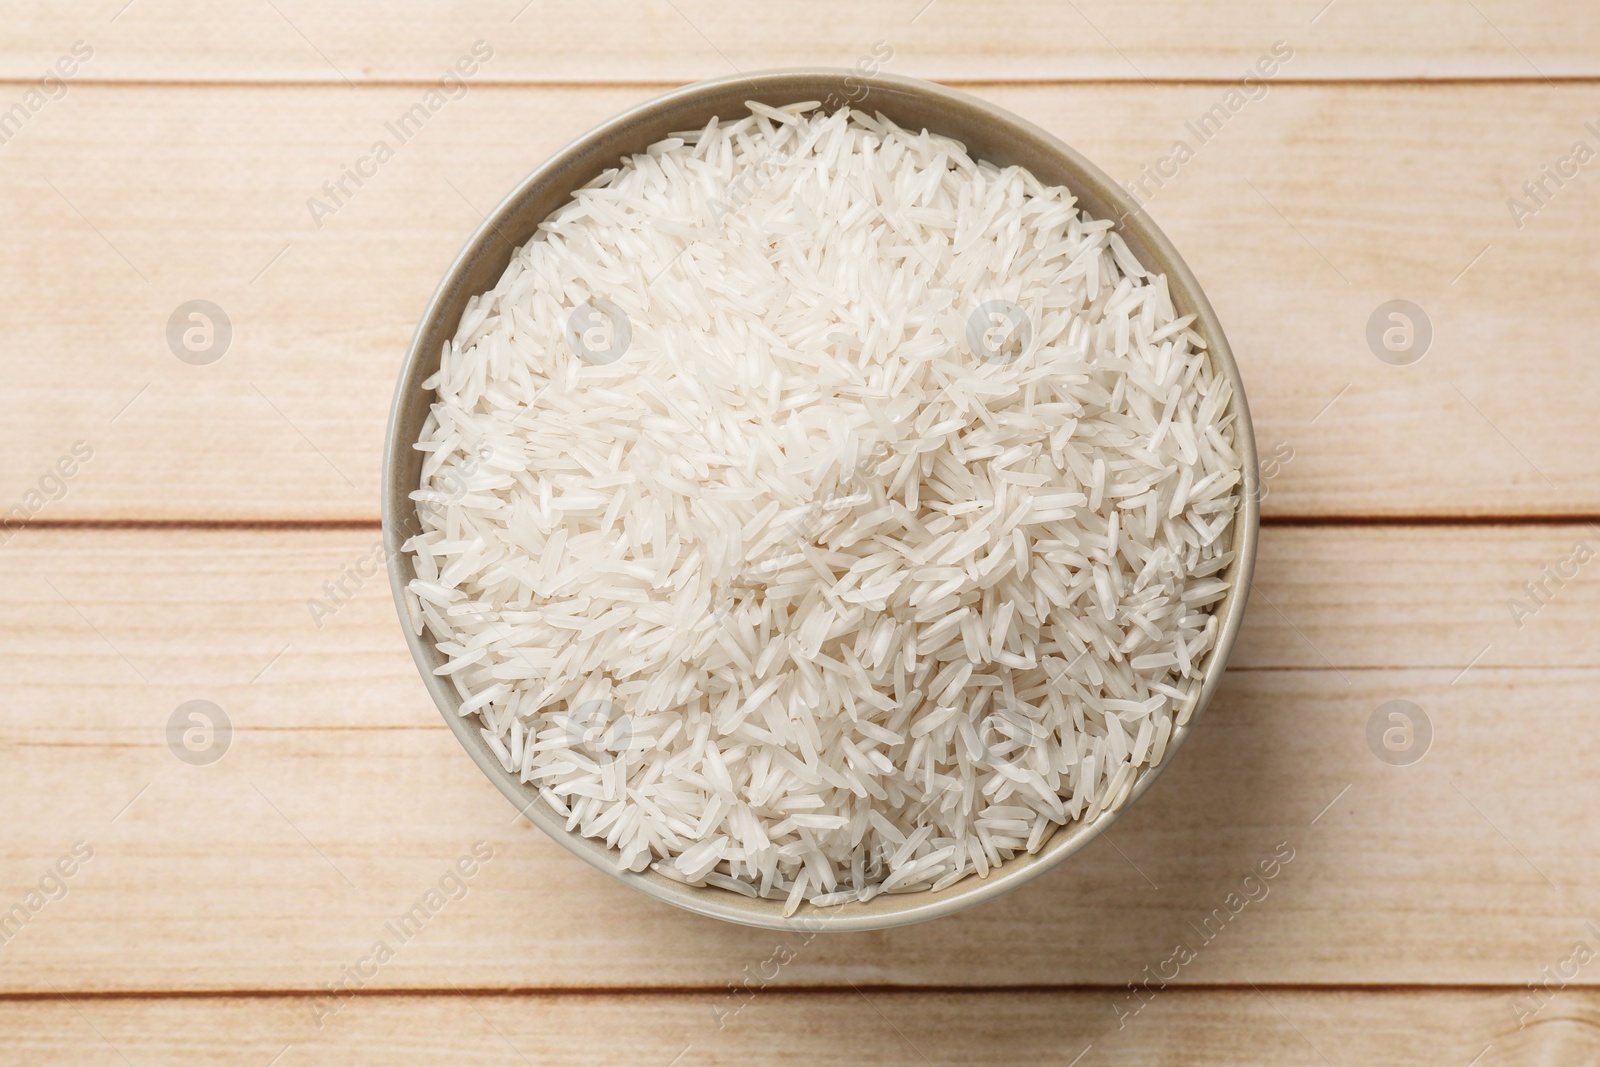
(816, 512)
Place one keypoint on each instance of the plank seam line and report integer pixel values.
(1286, 521)
(672, 83)
(1528, 519)
(575, 992)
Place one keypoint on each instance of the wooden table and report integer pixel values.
(229, 912)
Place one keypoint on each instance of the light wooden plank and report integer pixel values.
(910, 1029)
(1310, 210)
(1359, 598)
(610, 40)
(343, 798)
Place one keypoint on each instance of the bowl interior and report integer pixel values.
(989, 133)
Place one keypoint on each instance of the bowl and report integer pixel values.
(989, 133)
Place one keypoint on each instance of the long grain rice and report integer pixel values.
(812, 511)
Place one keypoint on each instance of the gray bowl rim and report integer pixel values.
(1089, 184)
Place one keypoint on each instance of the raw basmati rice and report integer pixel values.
(812, 511)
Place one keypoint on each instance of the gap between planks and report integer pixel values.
(581, 992)
(665, 84)
(1267, 521)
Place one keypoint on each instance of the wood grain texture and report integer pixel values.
(1313, 206)
(343, 798)
(894, 1029)
(629, 40)
(222, 903)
